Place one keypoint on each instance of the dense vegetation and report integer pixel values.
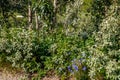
(77, 39)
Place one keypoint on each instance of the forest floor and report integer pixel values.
(9, 73)
(15, 75)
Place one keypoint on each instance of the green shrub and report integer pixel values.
(105, 53)
(68, 53)
(23, 49)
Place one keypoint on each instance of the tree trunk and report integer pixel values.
(55, 12)
(36, 20)
(29, 15)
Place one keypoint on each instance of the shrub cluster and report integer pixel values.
(81, 56)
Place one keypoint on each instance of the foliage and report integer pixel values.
(98, 10)
(105, 53)
(67, 51)
(46, 13)
(9, 9)
(84, 44)
(23, 49)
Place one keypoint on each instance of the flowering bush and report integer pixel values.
(69, 56)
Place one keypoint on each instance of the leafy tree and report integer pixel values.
(99, 11)
(105, 53)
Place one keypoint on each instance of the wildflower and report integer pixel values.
(75, 67)
(69, 68)
(84, 68)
